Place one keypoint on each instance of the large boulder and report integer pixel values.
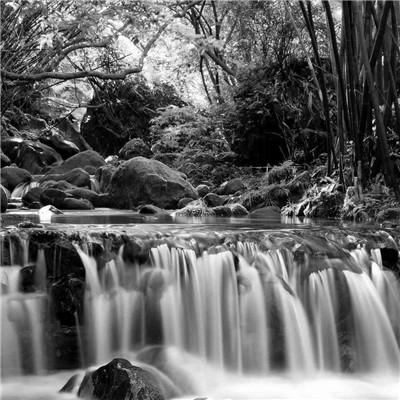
(35, 156)
(77, 177)
(81, 160)
(64, 147)
(120, 380)
(143, 181)
(11, 177)
(134, 148)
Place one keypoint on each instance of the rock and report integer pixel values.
(10, 146)
(3, 199)
(70, 129)
(134, 148)
(46, 212)
(389, 214)
(32, 197)
(120, 380)
(36, 156)
(61, 185)
(390, 259)
(270, 212)
(82, 193)
(113, 160)
(53, 197)
(202, 190)
(103, 200)
(103, 176)
(76, 204)
(29, 224)
(136, 251)
(214, 200)
(140, 181)
(77, 177)
(184, 202)
(80, 160)
(67, 296)
(70, 385)
(166, 158)
(196, 208)
(13, 176)
(63, 147)
(238, 210)
(232, 186)
(150, 209)
(222, 211)
(158, 356)
(4, 160)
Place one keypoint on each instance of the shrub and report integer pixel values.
(123, 111)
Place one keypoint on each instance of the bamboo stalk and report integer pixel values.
(380, 128)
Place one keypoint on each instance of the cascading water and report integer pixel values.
(245, 307)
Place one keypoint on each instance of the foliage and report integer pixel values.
(121, 111)
(274, 115)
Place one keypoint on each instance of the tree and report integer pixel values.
(64, 40)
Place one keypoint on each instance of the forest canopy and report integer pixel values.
(280, 79)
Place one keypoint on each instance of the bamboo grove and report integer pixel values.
(365, 60)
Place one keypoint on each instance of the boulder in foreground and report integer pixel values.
(120, 380)
(142, 181)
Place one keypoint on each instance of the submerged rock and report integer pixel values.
(140, 181)
(120, 380)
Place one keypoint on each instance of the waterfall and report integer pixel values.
(22, 326)
(242, 306)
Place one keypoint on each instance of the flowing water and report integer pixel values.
(239, 314)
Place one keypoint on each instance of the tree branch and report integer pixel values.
(98, 74)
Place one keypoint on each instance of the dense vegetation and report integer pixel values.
(265, 81)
